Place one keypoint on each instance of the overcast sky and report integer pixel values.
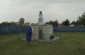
(12, 10)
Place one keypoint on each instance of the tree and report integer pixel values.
(7, 24)
(81, 19)
(78, 23)
(21, 21)
(66, 22)
(54, 23)
(50, 22)
(73, 23)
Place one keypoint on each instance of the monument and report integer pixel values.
(40, 24)
(41, 31)
(40, 20)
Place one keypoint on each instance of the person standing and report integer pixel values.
(29, 35)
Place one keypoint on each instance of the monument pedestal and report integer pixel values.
(42, 32)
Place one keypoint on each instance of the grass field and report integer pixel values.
(70, 43)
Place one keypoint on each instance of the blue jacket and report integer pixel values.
(29, 34)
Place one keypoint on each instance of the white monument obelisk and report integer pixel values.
(41, 23)
(40, 20)
(42, 31)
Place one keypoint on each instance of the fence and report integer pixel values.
(22, 29)
(69, 29)
(13, 29)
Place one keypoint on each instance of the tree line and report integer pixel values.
(19, 23)
(80, 22)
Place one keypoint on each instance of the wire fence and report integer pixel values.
(69, 29)
(23, 29)
(13, 29)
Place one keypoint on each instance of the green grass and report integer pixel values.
(70, 43)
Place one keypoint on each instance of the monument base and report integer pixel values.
(43, 33)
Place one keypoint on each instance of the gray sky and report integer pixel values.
(12, 10)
